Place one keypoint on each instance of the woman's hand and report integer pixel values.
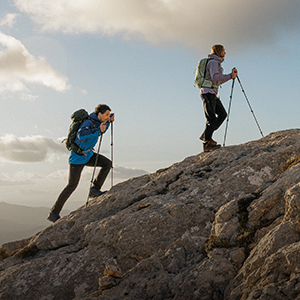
(233, 73)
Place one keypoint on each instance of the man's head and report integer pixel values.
(218, 50)
(103, 112)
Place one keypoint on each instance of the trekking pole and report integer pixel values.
(111, 152)
(228, 111)
(87, 200)
(250, 106)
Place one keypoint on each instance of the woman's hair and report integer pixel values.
(217, 49)
(102, 108)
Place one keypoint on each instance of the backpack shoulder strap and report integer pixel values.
(94, 124)
(208, 60)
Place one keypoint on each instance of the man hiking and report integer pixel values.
(215, 112)
(87, 137)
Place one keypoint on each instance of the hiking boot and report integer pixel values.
(53, 217)
(212, 142)
(95, 193)
(211, 145)
(202, 137)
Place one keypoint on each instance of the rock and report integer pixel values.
(292, 202)
(218, 225)
(261, 268)
(13, 246)
(231, 217)
(112, 269)
(107, 282)
(208, 279)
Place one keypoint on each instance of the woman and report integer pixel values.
(214, 110)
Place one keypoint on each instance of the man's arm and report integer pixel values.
(87, 129)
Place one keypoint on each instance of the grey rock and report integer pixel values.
(218, 225)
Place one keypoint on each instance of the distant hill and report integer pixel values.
(19, 222)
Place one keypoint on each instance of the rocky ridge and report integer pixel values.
(218, 225)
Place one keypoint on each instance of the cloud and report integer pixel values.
(119, 173)
(84, 92)
(9, 20)
(59, 174)
(196, 24)
(63, 174)
(18, 178)
(29, 148)
(18, 68)
(125, 173)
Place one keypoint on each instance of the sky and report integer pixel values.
(139, 57)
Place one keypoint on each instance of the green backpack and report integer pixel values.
(200, 80)
(78, 117)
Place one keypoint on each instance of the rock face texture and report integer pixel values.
(218, 225)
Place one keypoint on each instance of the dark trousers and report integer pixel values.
(74, 176)
(215, 114)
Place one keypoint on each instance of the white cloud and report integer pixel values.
(9, 20)
(28, 97)
(21, 177)
(29, 148)
(119, 173)
(124, 172)
(63, 174)
(18, 68)
(192, 23)
(59, 174)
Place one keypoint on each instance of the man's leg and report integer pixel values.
(74, 176)
(105, 165)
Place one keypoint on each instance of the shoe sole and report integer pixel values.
(95, 196)
(52, 220)
(212, 149)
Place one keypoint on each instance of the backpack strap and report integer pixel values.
(83, 152)
(94, 124)
(206, 78)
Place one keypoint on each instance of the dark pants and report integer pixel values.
(74, 176)
(215, 114)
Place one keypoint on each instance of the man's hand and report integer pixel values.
(111, 117)
(233, 73)
(103, 127)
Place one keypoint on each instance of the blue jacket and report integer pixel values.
(86, 139)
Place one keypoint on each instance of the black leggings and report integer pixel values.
(74, 177)
(215, 114)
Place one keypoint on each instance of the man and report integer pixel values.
(87, 137)
(215, 112)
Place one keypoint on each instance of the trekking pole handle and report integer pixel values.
(234, 70)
